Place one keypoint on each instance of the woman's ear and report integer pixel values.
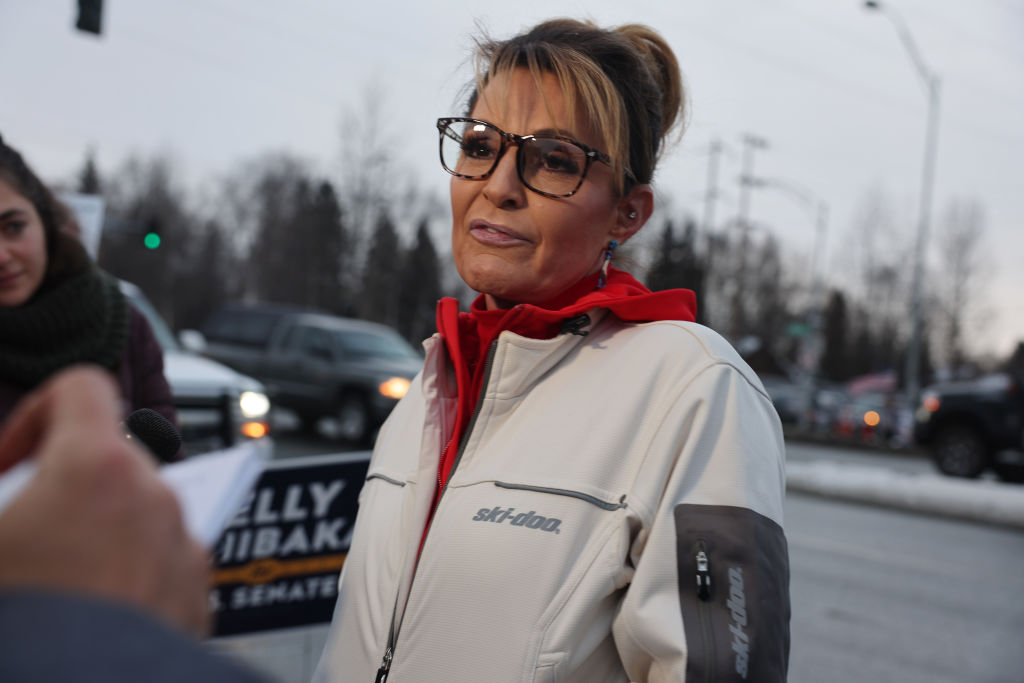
(632, 211)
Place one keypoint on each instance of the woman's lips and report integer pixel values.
(9, 279)
(495, 235)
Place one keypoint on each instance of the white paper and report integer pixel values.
(210, 487)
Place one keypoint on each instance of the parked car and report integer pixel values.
(968, 426)
(787, 397)
(315, 364)
(217, 406)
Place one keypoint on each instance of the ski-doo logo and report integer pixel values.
(737, 604)
(530, 520)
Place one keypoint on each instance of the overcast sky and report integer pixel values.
(828, 84)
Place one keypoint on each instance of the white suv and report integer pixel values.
(216, 405)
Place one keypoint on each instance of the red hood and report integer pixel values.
(623, 295)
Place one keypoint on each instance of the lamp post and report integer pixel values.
(931, 83)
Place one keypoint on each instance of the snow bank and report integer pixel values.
(977, 500)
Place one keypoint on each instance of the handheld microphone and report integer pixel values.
(155, 432)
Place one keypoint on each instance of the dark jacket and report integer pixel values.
(140, 375)
(61, 637)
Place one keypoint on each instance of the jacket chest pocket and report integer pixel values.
(531, 543)
(534, 515)
(526, 563)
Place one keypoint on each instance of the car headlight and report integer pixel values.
(254, 405)
(394, 387)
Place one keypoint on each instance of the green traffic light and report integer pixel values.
(151, 240)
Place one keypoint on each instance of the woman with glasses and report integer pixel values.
(582, 484)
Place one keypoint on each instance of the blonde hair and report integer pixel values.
(625, 81)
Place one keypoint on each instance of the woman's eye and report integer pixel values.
(558, 161)
(478, 147)
(12, 228)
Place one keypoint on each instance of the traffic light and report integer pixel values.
(151, 238)
(90, 16)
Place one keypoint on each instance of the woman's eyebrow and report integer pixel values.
(12, 213)
(560, 132)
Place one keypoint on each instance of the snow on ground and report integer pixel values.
(977, 500)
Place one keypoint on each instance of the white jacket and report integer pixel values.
(605, 481)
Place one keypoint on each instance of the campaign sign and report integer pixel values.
(277, 563)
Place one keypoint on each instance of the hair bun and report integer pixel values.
(664, 69)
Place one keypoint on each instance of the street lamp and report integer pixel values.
(931, 82)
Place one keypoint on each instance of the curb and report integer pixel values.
(990, 502)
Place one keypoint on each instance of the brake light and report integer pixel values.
(255, 430)
(931, 403)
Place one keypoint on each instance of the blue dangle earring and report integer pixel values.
(609, 251)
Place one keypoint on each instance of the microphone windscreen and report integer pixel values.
(155, 431)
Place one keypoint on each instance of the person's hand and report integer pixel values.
(96, 519)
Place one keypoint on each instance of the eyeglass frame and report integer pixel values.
(507, 139)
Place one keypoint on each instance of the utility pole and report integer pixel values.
(750, 144)
(711, 190)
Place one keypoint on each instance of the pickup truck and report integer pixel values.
(975, 425)
(316, 365)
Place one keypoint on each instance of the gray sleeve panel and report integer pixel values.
(60, 637)
(737, 626)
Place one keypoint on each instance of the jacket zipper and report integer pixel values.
(703, 587)
(396, 626)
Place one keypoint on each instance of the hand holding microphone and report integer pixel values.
(96, 519)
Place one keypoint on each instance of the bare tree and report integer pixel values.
(965, 271)
(367, 179)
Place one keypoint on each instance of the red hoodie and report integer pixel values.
(468, 336)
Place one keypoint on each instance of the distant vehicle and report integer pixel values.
(878, 419)
(787, 397)
(315, 364)
(217, 407)
(968, 426)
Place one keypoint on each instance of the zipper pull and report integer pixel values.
(385, 666)
(576, 324)
(703, 576)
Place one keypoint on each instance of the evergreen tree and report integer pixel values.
(679, 266)
(329, 255)
(89, 177)
(662, 271)
(201, 282)
(833, 359)
(381, 274)
(420, 288)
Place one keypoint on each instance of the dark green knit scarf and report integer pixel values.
(82, 319)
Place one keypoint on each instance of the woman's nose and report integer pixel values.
(503, 187)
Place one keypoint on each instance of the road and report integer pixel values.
(883, 595)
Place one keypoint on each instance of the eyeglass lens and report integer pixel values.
(546, 164)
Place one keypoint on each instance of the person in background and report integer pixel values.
(582, 484)
(99, 579)
(57, 308)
